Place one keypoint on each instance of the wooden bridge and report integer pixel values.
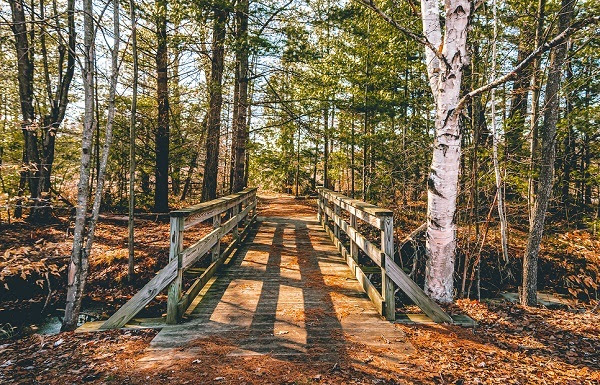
(287, 284)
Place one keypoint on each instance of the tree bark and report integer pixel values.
(518, 101)
(442, 186)
(240, 128)
(78, 267)
(548, 154)
(211, 166)
(38, 158)
(132, 135)
(25, 71)
(535, 106)
(161, 195)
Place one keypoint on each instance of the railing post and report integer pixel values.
(338, 211)
(325, 205)
(353, 245)
(216, 250)
(319, 201)
(175, 248)
(235, 233)
(387, 285)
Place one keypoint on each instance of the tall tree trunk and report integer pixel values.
(79, 260)
(499, 191)
(211, 166)
(326, 147)
(548, 155)
(442, 183)
(132, 136)
(240, 128)
(58, 101)
(518, 101)
(25, 70)
(535, 107)
(161, 195)
(569, 145)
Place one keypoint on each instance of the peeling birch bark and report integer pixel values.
(442, 185)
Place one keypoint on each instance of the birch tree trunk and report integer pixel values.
(79, 259)
(78, 269)
(547, 157)
(445, 76)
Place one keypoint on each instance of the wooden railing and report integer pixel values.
(331, 205)
(237, 208)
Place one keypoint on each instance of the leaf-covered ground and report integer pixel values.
(510, 345)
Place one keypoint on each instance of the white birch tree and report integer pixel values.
(446, 60)
(82, 239)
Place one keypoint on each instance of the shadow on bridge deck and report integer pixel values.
(287, 293)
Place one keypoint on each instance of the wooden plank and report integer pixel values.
(369, 248)
(387, 285)
(169, 273)
(364, 211)
(362, 279)
(414, 292)
(358, 204)
(198, 249)
(199, 213)
(142, 297)
(176, 245)
(353, 245)
(222, 202)
(216, 250)
(197, 286)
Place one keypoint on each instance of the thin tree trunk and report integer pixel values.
(502, 217)
(240, 131)
(535, 105)
(132, 136)
(25, 72)
(326, 147)
(211, 166)
(352, 166)
(548, 155)
(79, 260)
(161, 195)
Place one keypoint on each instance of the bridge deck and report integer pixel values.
(287, 293)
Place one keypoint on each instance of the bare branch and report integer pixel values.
(559, 39)
(413, 35)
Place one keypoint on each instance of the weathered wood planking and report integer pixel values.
(370, 249)
(201, 281)
(176, 233)
(392, 274)
(203, 211)
(364, 211)
(178, 262)
(362, 279)
(142, 297)
(415, 293)
(387, 284)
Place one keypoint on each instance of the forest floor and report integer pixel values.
(510, 344)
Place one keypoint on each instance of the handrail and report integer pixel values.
(391, 274)
(239, 207)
